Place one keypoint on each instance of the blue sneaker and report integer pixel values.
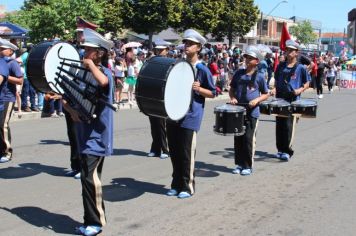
(5, 159)
(237, 170)
(172, 192)
(247, 171)
(92, 230)
(284, 157)
(183, 195)
(279, 154)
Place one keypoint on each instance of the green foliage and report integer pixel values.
(147, 16)
(202, 15)
(236, 19)
(112, 20)
(303, 32)
(151, 16)
(56, 18)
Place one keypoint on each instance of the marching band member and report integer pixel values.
(8, 97)
(248, 87)
(182, 135)
(291, 79)
(95, 139)
(159, 145)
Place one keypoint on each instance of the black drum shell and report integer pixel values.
(230, 123)
(304, 111)
(265, 108)
(35, 67)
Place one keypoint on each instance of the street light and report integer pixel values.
(269, 13)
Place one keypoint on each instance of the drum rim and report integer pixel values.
(242, 109)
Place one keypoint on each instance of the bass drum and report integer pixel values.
(164, 88)
(43, 62)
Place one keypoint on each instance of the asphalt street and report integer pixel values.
(312, 194)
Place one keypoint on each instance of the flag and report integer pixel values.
(276, 62)
(284, 37)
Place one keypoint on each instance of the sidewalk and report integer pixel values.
(123, 106)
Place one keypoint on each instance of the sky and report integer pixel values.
(331, 13)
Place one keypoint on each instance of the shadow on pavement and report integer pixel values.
(265, 156)
(39, 217)
(123, 189)
(203, 169)
(227, 153)
(123, 152)
(30, 169)
(48, 141)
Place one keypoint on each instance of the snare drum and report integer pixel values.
(280, 107)
(43, 62)
(164, 88)
(265, 107)
(229, 120)
(305, 107)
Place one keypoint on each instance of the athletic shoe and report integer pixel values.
(5, 159)
(320, 96)
(285, 157)
(237, 170)
(247, 171)
(71, 173)
(172, 192)
(90, 230)
(151, 154)
(278, 155)
(183, 195)
(164, 156)
(77, 176)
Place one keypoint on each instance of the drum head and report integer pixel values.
(52, 62)
(305, 103)
(279, 103)
(178, 91)
(229, 108)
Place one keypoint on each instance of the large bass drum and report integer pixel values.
(164, 88)
(43, 62)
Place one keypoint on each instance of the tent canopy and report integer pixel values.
(10, 30)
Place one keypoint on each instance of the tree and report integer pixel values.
(236, 19)
(112, 20)
(303, 32)
(202, 15)
(151, 16)
(57, 18)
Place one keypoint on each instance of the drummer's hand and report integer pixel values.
(196, 86)
(298, 91)
(233, 101)
(87, 63)
(253, 103)
(272, 92)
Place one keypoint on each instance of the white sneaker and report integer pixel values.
(164, 156)
(320, 96)
(151, 154)
(331, 90)
(4, 159)
(237, 170)
(77, 176)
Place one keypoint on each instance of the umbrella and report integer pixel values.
(264, 48)
(131, 45)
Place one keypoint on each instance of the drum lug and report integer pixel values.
(221, 129)
(221, 114)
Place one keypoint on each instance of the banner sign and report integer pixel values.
(347, 79)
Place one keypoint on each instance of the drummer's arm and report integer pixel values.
(1, 79)
(302, 89)
(99, 76)
(202, 91)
